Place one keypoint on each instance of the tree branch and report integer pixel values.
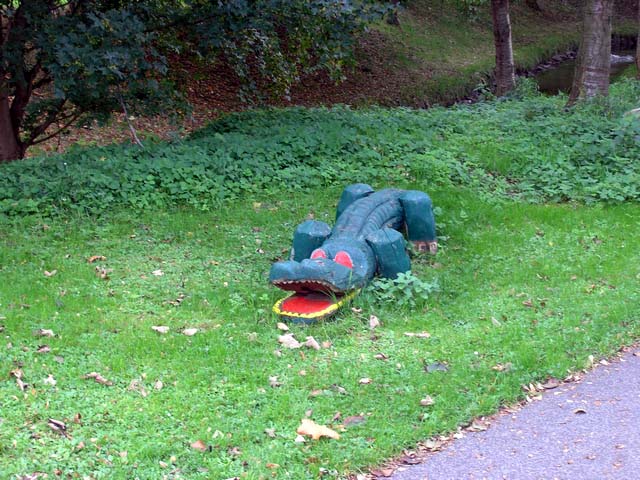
(51, 117)
(126, 114)
(59, 130)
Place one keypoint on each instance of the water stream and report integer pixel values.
(559, 78)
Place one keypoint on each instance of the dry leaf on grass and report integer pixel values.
(137, 386)
(103, 273)
(273, 381)
(427, 401)
(95, 258)
(43, 349)
(44, 332)
(18, 375)
(189, 332)
(354, 420)
(312, 429)
(288, 341)
(417, 335)
(282, 326)
(200, 446)
(160, 329)
(58, 426)
(50, 381)
(157, 273)
(312, 343)
(51, 273)
(374, 322)
(158, 385)
(98, 378)
(364, 381)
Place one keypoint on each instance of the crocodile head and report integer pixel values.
(331, 276)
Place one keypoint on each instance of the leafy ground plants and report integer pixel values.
(137, 337)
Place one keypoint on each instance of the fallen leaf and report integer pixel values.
(51, 273)
(354, 420)
(178, 301)
(299, 439)
(383, 472)
(137, 386)
(160, 329)
(436, 367)
(43, 332)
(339, 389)
(427, 401)
(58, 426)
(289, 341)
(50, 381)
(311, 343)
(103, 273)
(77, 418)
(200, 446)
(234, 451)
(381, 356)
(80, 446)
(282, 326)
(310, 428)
(95, 258)
(364, 381)
(273, 381)
(18, 375)
(502, 367)
(417, 335)
(272, 466)
(252, 337)
(157, 273)
(551, 383)
(189, 332)
(98, 378)
(43, 349)
(270, 432)
(374, 322)
(158, 385)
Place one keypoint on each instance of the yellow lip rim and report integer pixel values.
(321, 313)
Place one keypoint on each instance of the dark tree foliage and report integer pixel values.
(65, 60)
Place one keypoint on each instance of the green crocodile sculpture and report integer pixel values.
(328, 266)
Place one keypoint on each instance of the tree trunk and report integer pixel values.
(10, 145)
(591, 76)
(505, 69)
(638, 45)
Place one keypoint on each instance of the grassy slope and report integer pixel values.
(444, 54)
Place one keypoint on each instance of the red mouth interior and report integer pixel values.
(308, 303)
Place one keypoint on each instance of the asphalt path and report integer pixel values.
(588, 430)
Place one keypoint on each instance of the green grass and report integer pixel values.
(576, 265)
(189, 231)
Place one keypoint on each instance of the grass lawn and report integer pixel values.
(527, 292)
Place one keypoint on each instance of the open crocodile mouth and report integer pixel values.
(312, 300)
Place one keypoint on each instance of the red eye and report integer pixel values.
(318, 253)
(343, 258)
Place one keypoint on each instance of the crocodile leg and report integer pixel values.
(352, 193)
(308, 236)
(388, 246)
(421, 225)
